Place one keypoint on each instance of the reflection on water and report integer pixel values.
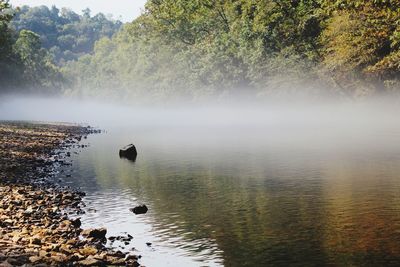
(241, 185)
(247, 197)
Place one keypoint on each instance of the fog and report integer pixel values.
(229, 151)
(339, 115)
(307, 124)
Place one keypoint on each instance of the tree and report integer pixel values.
(39, 72)
(220, 47)
(65, 30)
(8, 66)
(359, 42)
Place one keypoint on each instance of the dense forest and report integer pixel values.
(37, 41)
(193, 48)
(64, 33)
(23, 62)
(219, 47)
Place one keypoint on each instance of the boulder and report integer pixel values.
(140, 209)
(76, 223)
(90, 261)
(95, 233)
(128, 152)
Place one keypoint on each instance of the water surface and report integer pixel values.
(259, 186)
(247, 196)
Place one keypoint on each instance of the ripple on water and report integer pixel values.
(111, 209)
(271, 203)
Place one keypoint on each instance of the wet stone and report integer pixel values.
(35, 229)
(96, 234)
(142, 209)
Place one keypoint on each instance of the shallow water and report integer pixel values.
(248, 199)
(308, 187)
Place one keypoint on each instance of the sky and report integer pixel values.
(126, 10)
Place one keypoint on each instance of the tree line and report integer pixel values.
(198, 48)
(221, 47)
(36, 42)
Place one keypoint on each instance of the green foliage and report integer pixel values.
(214, 48)
(360, 41)
(211, 47)
(7, 59)
(24, 65)
(66, 34)
(5, 33)
(38, 69)
(33, 39)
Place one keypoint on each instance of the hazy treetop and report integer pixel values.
(125, 10)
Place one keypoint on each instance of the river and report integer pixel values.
(228, 187)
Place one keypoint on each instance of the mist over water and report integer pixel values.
(324, 123)
(265, 130)
(239, 184)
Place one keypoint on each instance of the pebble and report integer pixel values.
(34, 226)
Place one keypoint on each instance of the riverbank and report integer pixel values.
(36, 226)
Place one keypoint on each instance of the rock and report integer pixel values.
(116, 254)
(90, 261)
(35, 224)
(76, 223)
(43, 254)
(5, 264)
(133, 263)
(67, 249)
(102, 256)
(58, 257)
(29, 210)
(116, 261)
(36, 241)
(95, 233)
(18, 261)
(131, 257)
(77, 257)
(86, 251)
(128, 152)
(34, 259)
(142, 209)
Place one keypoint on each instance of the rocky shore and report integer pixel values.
(36, 228)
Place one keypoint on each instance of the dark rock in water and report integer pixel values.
(140, 209)
(95, 233)
(35, 224)
(76, 223)
(128, 152)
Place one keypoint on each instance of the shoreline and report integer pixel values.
(35, 226)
